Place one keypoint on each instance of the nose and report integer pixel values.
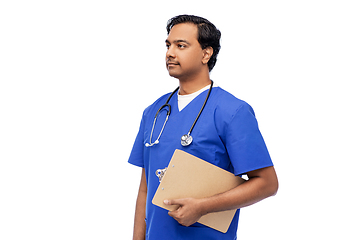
(170, 53)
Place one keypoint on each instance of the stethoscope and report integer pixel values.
(186, 139)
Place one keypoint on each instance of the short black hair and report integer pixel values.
(208, 34)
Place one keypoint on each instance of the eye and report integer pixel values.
(181, 46)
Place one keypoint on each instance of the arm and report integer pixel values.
(262, 183)
(139, 222)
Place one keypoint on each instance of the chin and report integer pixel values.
(174, 74)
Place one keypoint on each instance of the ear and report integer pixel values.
(207, 53)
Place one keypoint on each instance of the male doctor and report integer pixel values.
(226, 134)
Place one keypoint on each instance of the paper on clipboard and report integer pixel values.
(189, 176)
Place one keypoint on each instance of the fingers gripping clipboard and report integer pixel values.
(189, 176)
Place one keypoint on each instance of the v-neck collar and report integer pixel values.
(190, 97)
(175, 105)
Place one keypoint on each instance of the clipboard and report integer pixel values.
(189, 176)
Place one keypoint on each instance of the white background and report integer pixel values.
(76, 76)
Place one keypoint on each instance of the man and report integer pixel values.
(226, 134)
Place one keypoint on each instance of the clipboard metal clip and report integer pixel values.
(160, 173)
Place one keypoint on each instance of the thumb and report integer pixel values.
(173, 202)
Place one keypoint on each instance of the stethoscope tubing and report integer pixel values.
(202, 108)
(185, 139)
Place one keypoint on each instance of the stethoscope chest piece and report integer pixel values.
(186, 140)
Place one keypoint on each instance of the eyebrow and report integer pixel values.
(178, 41)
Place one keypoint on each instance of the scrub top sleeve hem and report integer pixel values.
(253, 169)
(137, 164)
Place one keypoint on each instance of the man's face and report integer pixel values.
(184, 55)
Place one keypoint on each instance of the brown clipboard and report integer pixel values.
(189, 176)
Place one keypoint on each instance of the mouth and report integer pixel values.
(171, 64)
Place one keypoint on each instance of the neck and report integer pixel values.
(193, 85)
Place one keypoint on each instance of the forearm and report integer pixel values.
(139, 221)
(262, 183)
(246, 194)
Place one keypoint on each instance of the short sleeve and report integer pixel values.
(136, 156)
(244, 142)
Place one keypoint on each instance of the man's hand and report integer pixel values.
(189, 211)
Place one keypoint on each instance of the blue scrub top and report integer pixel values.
(226, 135)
